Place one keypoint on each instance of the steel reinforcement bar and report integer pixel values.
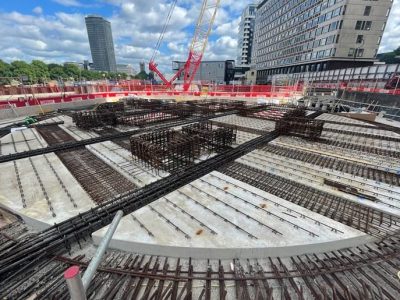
(363, 134)
(361, 272)
(369, 220)
(361, 148)
(119, 135)
(61, 235)
(335, 163)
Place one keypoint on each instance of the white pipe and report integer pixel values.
(74, 283)
(95, 262)
(77, 286)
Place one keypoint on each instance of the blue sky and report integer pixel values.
(54, 30)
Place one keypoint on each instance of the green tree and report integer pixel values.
(390, 57)
(52, 66)
(20, 68)
(72, 71)
(57, 72)
(40, 70)
(5, 71)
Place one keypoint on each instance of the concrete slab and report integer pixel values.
(243, 137)
(360, 140)
(20, 141)
(342, 119)
(374, 131)
(384, 192)
(218, 216)
(122, 161)
(60, 118)
(377, 161)
(47, 188)
(389, 197)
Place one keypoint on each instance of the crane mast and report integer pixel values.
(198, 45)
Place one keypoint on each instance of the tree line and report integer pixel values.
(392, 57)
(38, 72)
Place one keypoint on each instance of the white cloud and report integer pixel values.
(391, 37)
(55, 38)
(68, 2)
(136, 27)
(38, 10)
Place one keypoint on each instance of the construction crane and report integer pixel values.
(204, 25)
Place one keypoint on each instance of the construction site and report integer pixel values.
(221, 199)
(196, 191)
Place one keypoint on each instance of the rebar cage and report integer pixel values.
(171, 150)
(91, 119)
(211, 137)
(302, 127)
(167, 150)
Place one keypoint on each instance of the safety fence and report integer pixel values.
(112, 91)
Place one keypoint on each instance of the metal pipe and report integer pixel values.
(94, 263)
(74, 283)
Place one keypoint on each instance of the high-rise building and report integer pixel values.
(315, 35)
(246, 35)
(101, 43)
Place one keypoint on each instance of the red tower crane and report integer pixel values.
(204, 25)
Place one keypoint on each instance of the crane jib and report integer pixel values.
(203, 29)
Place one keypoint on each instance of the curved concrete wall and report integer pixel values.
(231, 253)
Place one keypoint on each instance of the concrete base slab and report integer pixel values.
(49, 195)
(218, 216)
(122, 161)
(21, 141)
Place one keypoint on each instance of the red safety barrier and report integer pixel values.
(139, 89)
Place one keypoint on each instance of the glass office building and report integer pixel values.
(101, 43)
(316, 35)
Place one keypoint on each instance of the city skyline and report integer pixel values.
(52, 30)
